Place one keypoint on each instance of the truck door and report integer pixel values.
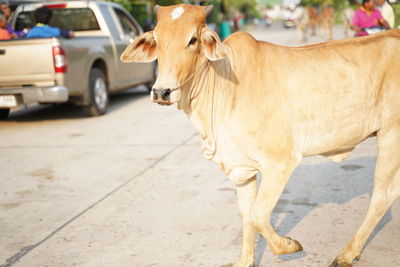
(132, 73)
(124, 74)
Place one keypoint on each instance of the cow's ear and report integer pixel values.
(143, 49)
(212, 46)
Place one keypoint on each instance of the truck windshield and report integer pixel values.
(76, 19)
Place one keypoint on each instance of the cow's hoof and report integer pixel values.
(287, 246)
(338, 263)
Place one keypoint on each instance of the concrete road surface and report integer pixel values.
(132, 189)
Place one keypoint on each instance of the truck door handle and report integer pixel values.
(2, 51)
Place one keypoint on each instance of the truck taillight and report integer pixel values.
(60, 59)
(54, 6)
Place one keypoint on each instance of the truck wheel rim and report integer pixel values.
(100, 93)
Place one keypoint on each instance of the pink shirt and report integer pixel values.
(363, 20)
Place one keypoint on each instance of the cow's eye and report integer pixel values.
(192, 41)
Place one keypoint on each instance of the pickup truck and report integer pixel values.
(83, 70)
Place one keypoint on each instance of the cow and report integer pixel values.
(347, 17)
(311, 17)
(261, 108)
(306, 21)
(326, 20)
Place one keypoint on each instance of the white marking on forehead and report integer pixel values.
(177, 12)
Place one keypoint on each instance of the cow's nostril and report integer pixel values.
(165, 94)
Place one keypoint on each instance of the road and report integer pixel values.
(132, 189)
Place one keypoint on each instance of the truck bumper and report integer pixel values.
(32, 95)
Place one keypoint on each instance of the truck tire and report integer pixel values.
(98, 93)
(150, 84)
(4, 113)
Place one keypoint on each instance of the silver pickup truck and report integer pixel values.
(83, 70)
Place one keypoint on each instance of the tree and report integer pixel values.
(337, 4)
(167, 2)
(142, 11)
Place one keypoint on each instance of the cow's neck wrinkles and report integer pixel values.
(206, 102)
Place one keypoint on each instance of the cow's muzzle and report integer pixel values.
(162, 96)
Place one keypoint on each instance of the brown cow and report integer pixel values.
(308, 20)
(311, 17)
(326, 20)
(261, 108)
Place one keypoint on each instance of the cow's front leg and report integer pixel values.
(271, 187)
(246, 195)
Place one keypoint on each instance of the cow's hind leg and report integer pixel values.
(302, 31)
(271, 187)
(386, 191)
(246, 195)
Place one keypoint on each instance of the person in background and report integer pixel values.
(387, 11)
(367, 16)
(5, 8)
(42, 29)
(4, 34)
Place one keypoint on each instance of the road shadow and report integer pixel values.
(69, 111)
(313, 185)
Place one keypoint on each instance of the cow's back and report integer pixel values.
(331, 95)
(338, 91)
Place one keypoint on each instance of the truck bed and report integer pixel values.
(29, 63)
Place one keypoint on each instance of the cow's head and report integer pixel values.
(181, 42)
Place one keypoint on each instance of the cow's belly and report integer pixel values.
(337, 109)
(337, 133)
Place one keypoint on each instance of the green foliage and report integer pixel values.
(247, 7)
(136, 8)
(340, 4)
(312, 2)
(215, 16)
(167, 2)
(141, 9)
(124, 3)
(337, 4)
(396, 9)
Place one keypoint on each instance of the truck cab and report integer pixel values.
(83, 70)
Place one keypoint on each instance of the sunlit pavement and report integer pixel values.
(132, 189)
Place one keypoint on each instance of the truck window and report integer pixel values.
(128, 26)
(106, 11)
(76, 19)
